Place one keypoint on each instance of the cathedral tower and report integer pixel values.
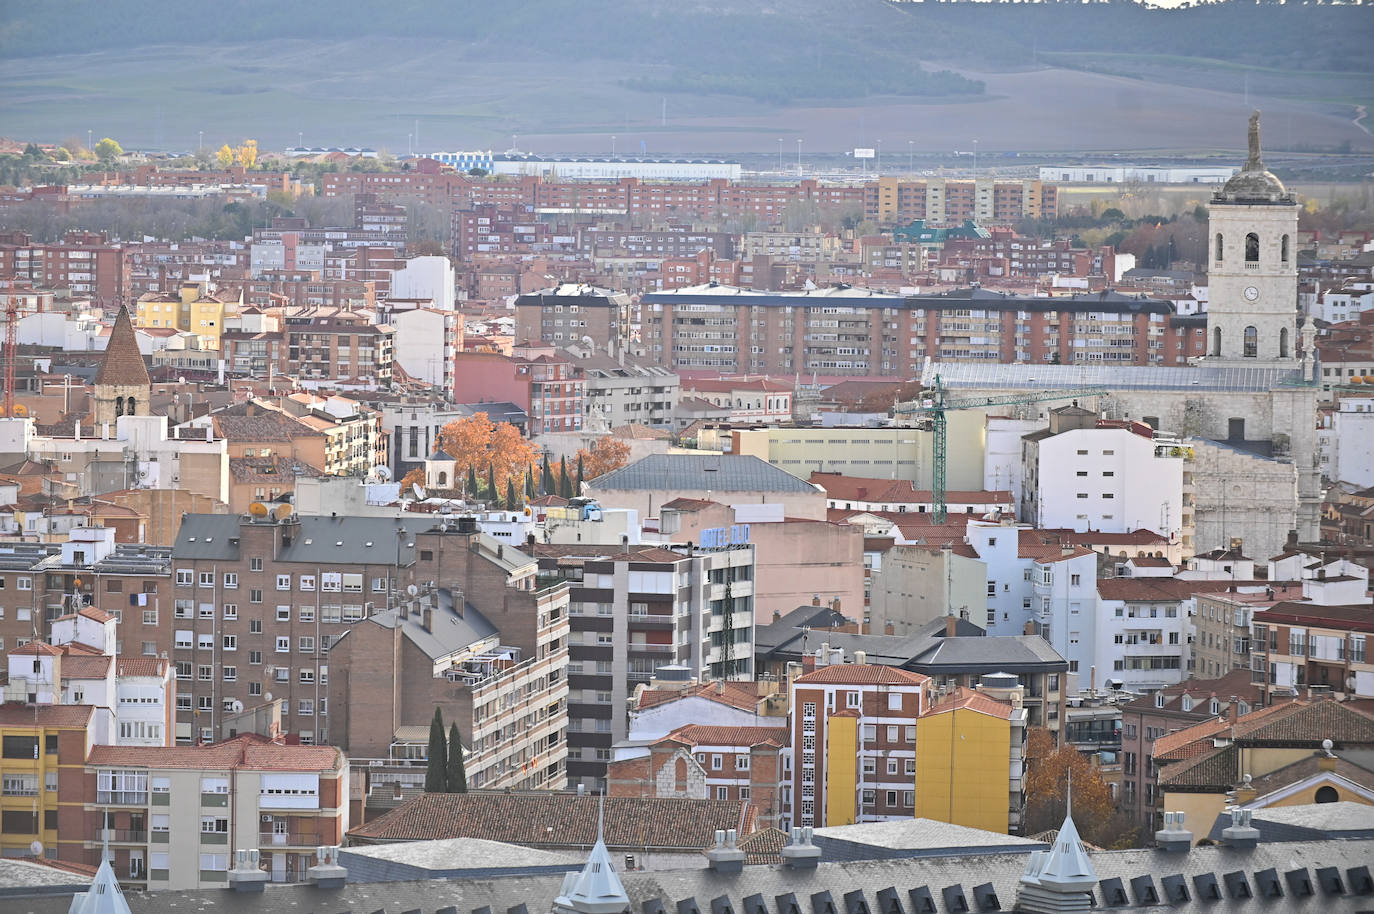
(1253, 275)
(122, 386)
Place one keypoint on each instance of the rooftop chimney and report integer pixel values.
(861, 657)
(1173, 836)
(1240, 834)
(951, 626)
(247, 875)
(326, 873)
(725, 857)
(428, 618)
(801, 854)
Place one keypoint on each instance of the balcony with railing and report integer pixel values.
(122, 797)
(127, 835)
(288, 839)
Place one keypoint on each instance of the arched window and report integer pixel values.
(1251, 248)
(1327, 794)
(129, 407)
(119, 407)
(1283, 343)
(1216, 341)
(1220, 248)
(443, 480)
(1283, 249)
(1250, 345)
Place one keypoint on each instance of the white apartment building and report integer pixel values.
(426, 343)
(1084, 474)
(1345, 442)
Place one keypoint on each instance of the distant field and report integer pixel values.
(374, 92)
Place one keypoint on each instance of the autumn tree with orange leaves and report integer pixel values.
(484, 447)
(1047, 788)
(606, 454)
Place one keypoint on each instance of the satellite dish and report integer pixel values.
(412, 589)
(36, 848)
(419, 492)
(383, 474)
(257, 509)
(282, 512)
(236, 707)
(267, 697)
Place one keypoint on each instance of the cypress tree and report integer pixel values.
(529, 483)
(472, 482)
(579, 472)
(457, 780)
(547, 482)
(564, 483)
(510, 493)
(436, 771)
(491, 484)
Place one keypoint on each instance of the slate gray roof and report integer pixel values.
(690, 472)
(1308, 822)
(1001, 872)
(968, 377)
(988, 655)
(471, 858)
(327, 540)
(449, 632)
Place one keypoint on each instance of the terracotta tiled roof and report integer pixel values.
(1308, 723)
(860, 674)
(15, 714)
(764, 846)
(82, 667)
(283, 470)
(687, 504)
(1350, 618)
(547, 819)
(1158, 589)
(37, 648)
(142, 666)
(1235, 683)
(839, 487)
(123, 364)
(548, 501)
(1212, 771)
(706, 735)
(639, 432)
(90, 612)
(742, 695)
(969, 699)
(1192, 741)
(240, 752)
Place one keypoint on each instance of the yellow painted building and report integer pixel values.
(969, 762)
(841, 776)
(42, 764)
(192, 309)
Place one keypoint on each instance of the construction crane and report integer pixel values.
(12, 314)
(936, 405)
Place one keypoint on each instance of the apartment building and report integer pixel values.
(41, 775)
(191, 309)
(426, 342)
(845, 331)
(537, 378)
(854, 744)
(634, 609)
(1085, 473)
(173, 817)
(750, 400)
(970, 757)
(1299, 648)
(44, 582)
(337, 345)
(623, 390)
(304, 289)
(892, 199)
(85, 263)
(510, 701)
(1172, 708)
(258, 600)
(565, 313)
(1222, 625)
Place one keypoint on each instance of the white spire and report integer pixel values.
(104, 895)
(597, 889)
(1066, 868)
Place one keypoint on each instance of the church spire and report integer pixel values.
(597, 889)
(123, 365)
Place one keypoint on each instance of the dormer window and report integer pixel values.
(1159, 699)
(1214, 707)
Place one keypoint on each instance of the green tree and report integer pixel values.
(436, 771)
(529, 483)
(579, 471)
(457, 777)
(546, 482)
(476, 172)
(564, 482)
(510, 494)
(472, 482)
(62, 155)
(491, 484)
(107, 150)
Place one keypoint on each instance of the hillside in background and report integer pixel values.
(686, 76)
